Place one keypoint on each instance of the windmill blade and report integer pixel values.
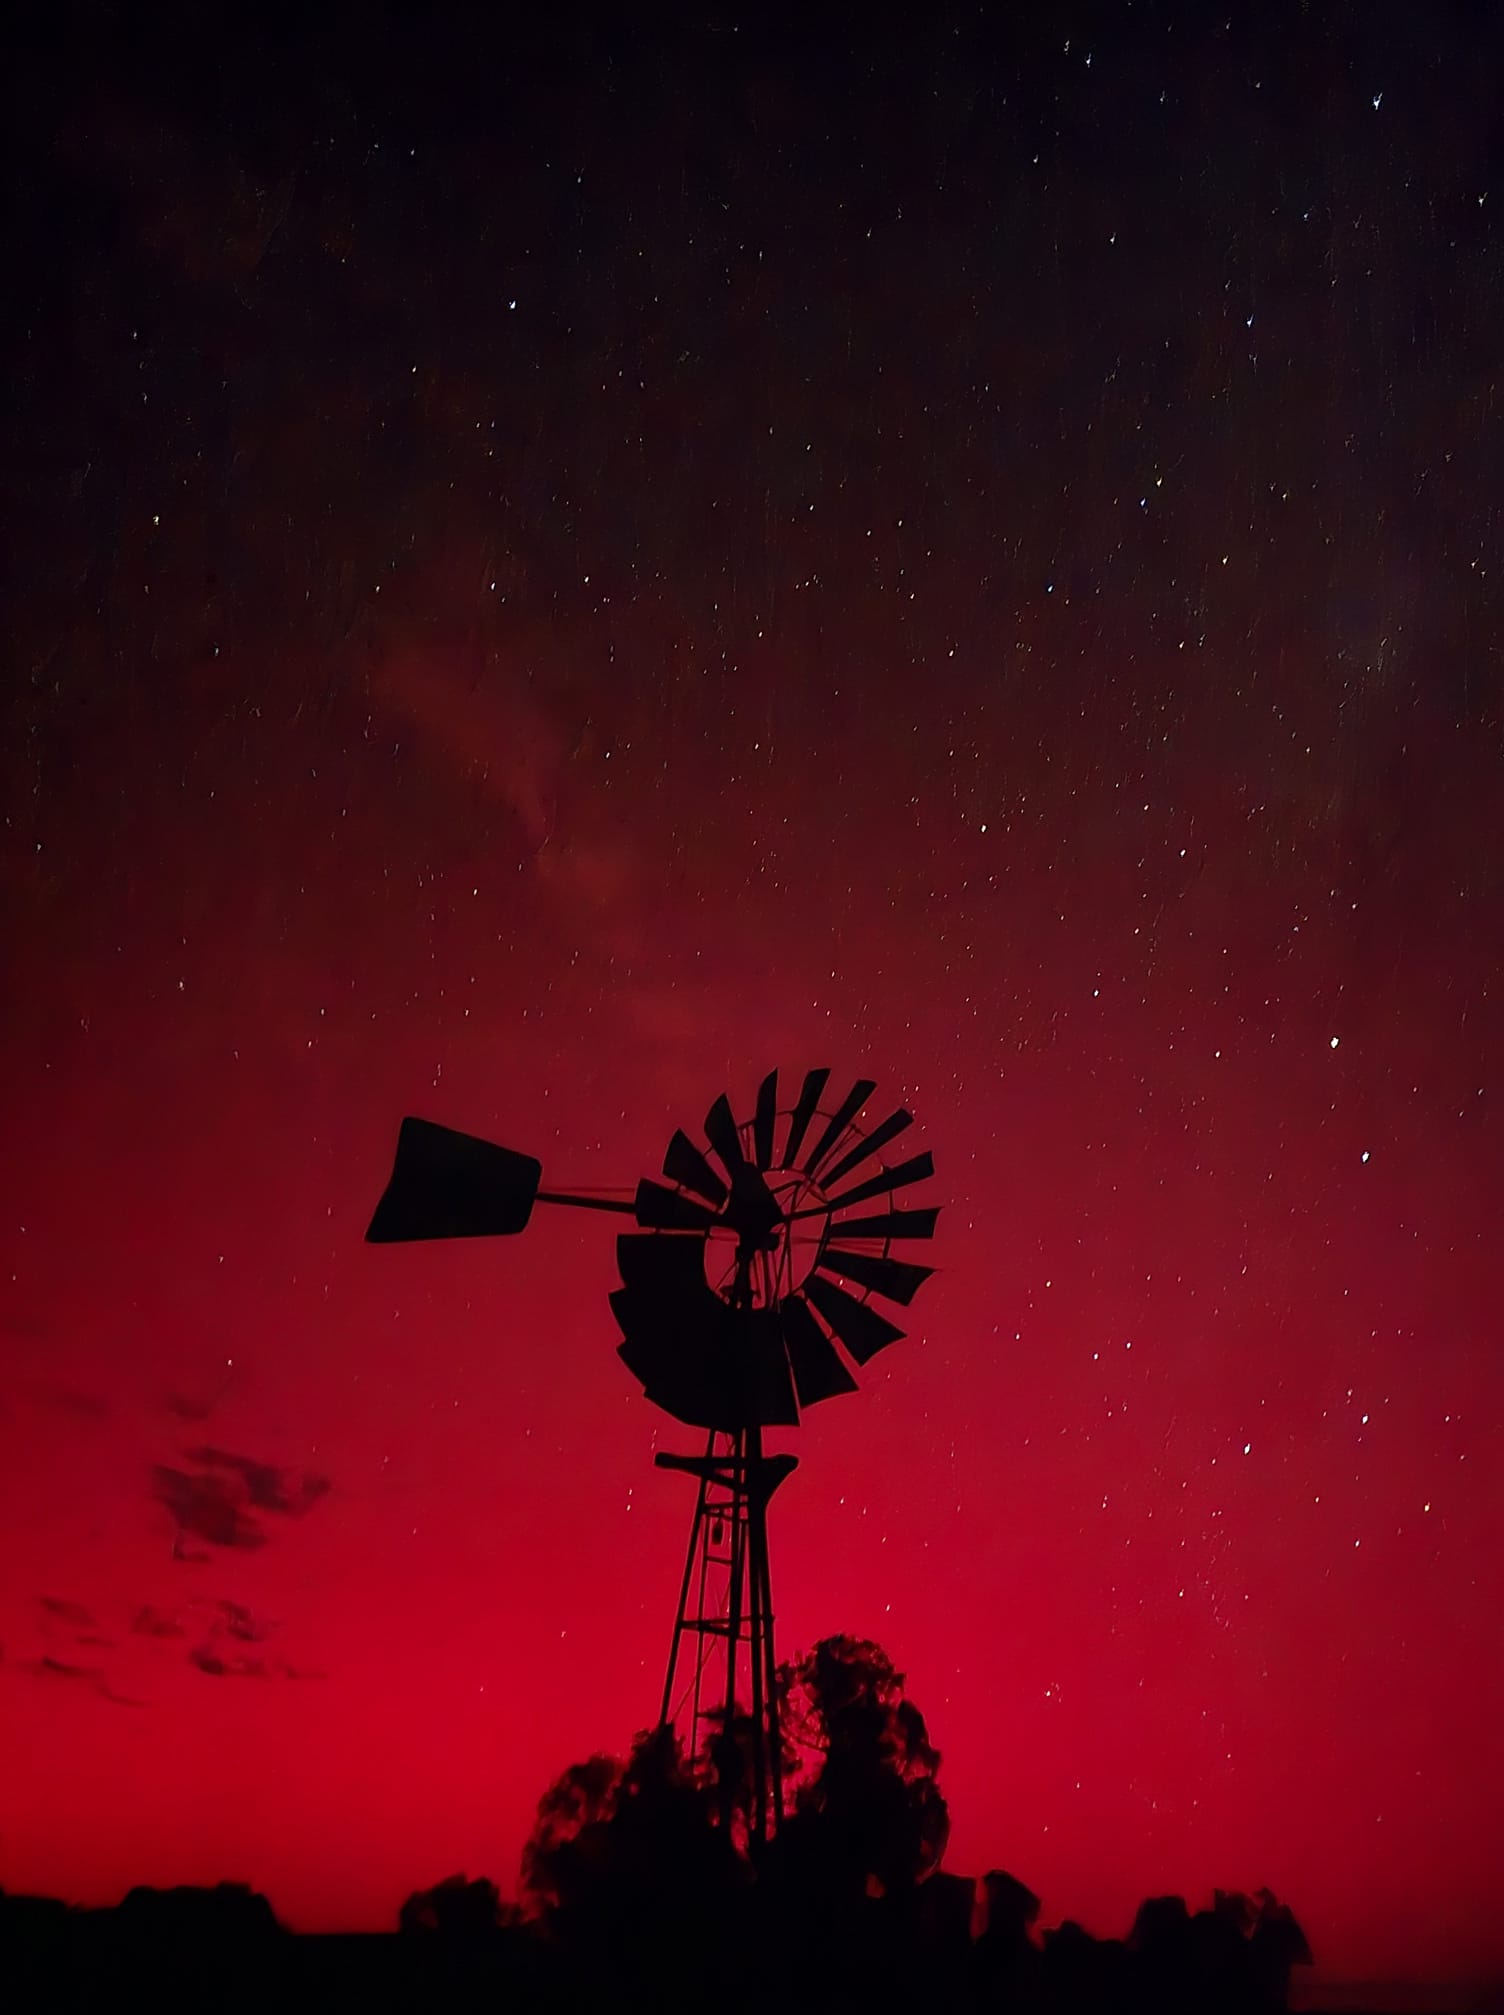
(696, 1403)
(809, 1098)
(761, 1370)
(818, 1370)
(670, 1271)
(708, 1365)
(648, 1354)
(888, 1224)
(898, 1279)
(660, 1209)
(668, 1358)
(685, 1165)
(844, 1114)
(914, 1170)
(861, 1328)
(453, 1185)
(764, 1120)
(720, 1131)
(672, 1317)
(676, 1340)
(698, 1325)
(869, 1145)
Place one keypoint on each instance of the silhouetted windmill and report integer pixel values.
(733, 1316)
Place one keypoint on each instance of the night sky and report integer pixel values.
(552, 571)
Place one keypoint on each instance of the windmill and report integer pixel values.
(746, 1294)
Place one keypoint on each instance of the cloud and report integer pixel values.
(220, 1666)
(77, 1622)
(208, 1506)
(226, 1499)
(222, 1656)
(71, 1613)
(92, 1677)
(67, 1399)
(289, 1492)
(233, 1619)
(490, 725)
(198, 1410)
(215, 1662)
(151, 1622)
(188, 1409)
(57, 1668)
(496, 725)
(228, 1629)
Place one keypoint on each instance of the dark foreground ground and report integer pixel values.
(635, 1945)
(93, 1966)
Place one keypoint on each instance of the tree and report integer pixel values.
(631, 1878)
(1276, 1945)
(454, 1907)
(860, 1771)
(566, 1833)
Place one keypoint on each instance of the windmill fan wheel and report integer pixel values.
(747, 1291)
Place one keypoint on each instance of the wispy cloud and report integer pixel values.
(73, 1614)
(70, 1401)
(223, 1665)
(93, 1678)
(491, 727)
(222, 1655)
(48, 1667)
(149, 1621)
(233, 1619)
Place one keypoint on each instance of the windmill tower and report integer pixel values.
(746, 1295)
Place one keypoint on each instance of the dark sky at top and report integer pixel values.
(552, 569)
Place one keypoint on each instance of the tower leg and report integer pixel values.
(681, 1620)
(735, 1600)
(729, 1533)
(759, 1631)
(775, 1719)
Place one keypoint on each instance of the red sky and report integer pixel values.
(545, 718)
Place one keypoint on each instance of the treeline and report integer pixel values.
(641, 1889)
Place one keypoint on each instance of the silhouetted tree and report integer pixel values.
(1164, 1967)
(861, 1770)
(219, 1947)
(1232, 1959)
(1219, 1949)
(1080, 1973)
(628, 1872)
(1276, 1946)
(455, 1908)
(576, 1804)
(1007, 1960)
(231, 1913)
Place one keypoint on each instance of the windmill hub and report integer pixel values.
(753, 1212)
